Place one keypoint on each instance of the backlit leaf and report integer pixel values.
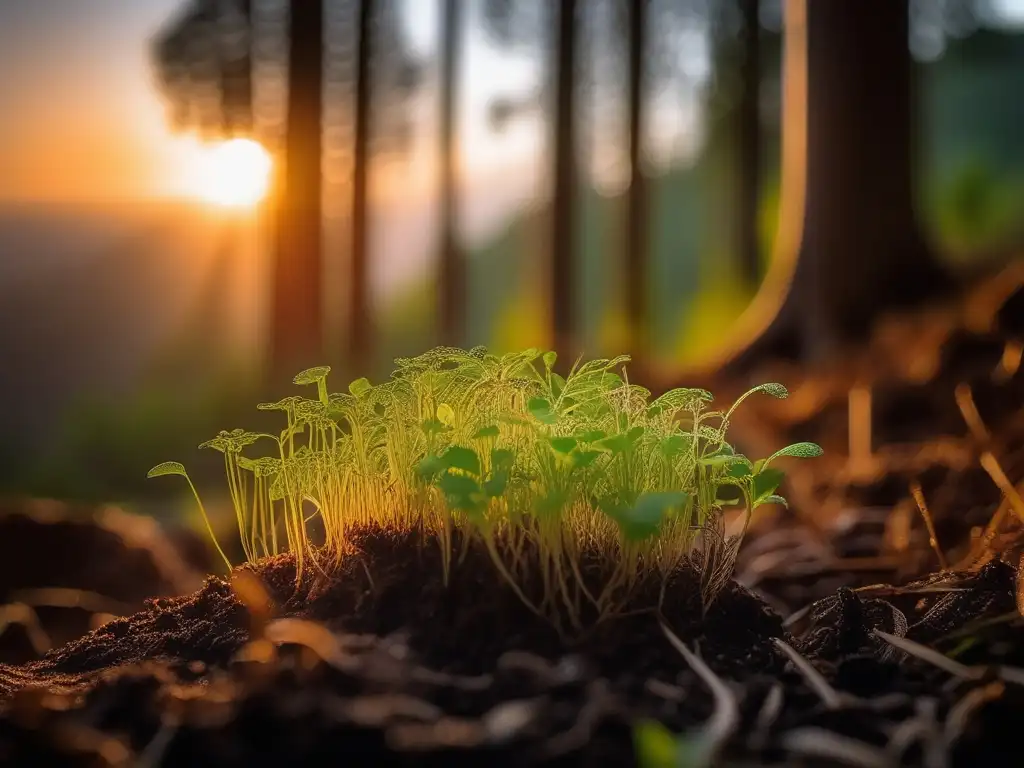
(563, 444)
(429, 468)
(458, 457)
(740, 469)
(797, 450)
(432, 427)
(540, 409)
(312, 375)
(360, 387)
(489, 431)
(462, 492)
(446, 414)
(582, 459)
(502, 458)
(167, 468)
(655, 745)
(644, 519)
(766, 482)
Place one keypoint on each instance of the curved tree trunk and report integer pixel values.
(849, 245)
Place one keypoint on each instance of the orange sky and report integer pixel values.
(85, 124)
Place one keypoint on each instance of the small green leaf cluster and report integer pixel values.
(504, 450)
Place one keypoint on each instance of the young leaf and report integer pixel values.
(495, 485)
(360, 387)
(677, 399)
(719, 461)
(765, 483)
(540, 409)
(655, 745)
(557, 385)
(462, 492)
(489, 431)
(775, 499)
(645, 518)
(549, 359)
(740, 469)
(773, 389)
(219, 443)
(167, 468)
(563, 445)
(582, 459)
(432, 427)
(457, 457)
(502, 458)
(673, 445)
(615, 444)
(591, 435)
(797, 450)
(312, 375)
(430, 467)
(446, 414)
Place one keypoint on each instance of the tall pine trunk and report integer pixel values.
(635, 262)
(563, 305)
(451, 278)
(359, 329)
(296, 326)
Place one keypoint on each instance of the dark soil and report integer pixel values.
(382, 664)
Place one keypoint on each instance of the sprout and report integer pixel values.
(512, 455)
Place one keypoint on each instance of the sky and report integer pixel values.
(82, 120)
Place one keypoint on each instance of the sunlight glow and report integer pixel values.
(234, 174)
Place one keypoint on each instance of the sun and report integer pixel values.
(234, 173)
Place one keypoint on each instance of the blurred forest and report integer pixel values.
(427, 235)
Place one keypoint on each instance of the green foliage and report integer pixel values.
(504, 449)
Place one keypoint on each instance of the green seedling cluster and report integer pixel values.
(541, 469)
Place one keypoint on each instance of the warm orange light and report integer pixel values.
(234, 173)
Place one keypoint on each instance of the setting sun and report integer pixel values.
(235, 173)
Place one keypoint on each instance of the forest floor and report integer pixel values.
(862, 629)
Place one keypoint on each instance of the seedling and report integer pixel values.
(539, 468)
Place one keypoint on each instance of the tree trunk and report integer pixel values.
(849, 245)
(635, 262)
(359, 340)
(748, 119)
(562, 296)
(236, 70)
(296, 328)
(452, 277)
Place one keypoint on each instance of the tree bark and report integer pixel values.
(635, 261)
(748, 119)
(451, 279)
(849, 245)
(562, 295)
(296, 327)
(359, 330)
